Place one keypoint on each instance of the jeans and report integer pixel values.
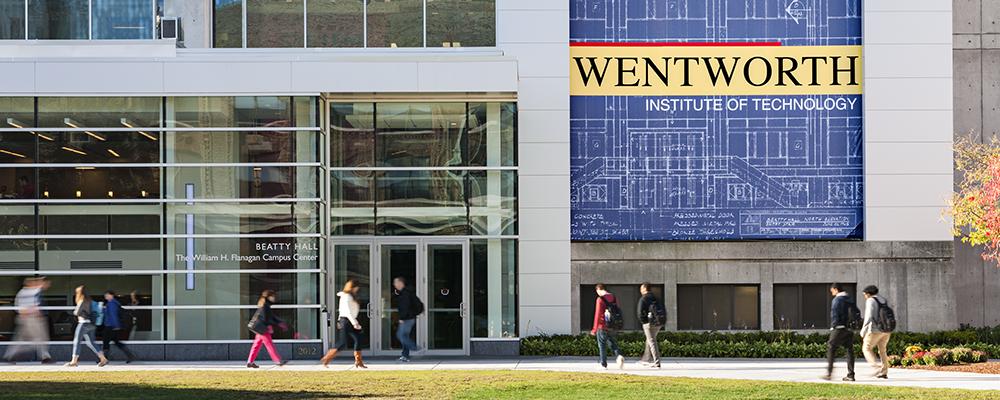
(109, 335)
(403, 334)
(840, 338)
(30, 328)
(604, 339)
(346, 331)
(85, 332)
(652, 352)
(265, 340)
(880, 340)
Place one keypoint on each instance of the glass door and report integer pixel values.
(396, 260)
(446, 268)
(352, 261)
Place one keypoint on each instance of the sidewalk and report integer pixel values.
(770, 370)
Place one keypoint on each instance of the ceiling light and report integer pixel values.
(70, 122)
(128, 124)
(111, 194)
(18, 124)
(72, 150)
(114, 153)
(8, 152)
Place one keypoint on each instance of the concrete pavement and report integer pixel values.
(750, 369)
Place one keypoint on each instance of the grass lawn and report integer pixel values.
(249, 385)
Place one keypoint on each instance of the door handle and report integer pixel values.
(461, 310)
(368, 309)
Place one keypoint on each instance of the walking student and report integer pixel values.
(262, 325)
(410, 307)
(87, 312)
(113, 326)
(348, 327)
(607, 321)
(843, 315)
(879, 322)
(652, 315)
(31, 324)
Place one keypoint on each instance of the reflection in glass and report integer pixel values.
(396, 23)
(493, 202)
(245, 253)
(122, 19)
(494, 288)
(230, 324)
(335, 23)
(17, 253)
(17, 112)
(227, 24)
(274, 23)
(398, 260)
(492, 134)
(243, 288)
(445, 296)
(16, 147)
(96, 146)
(352, 139)
(354, 262)
(421, 203)
(242, 147)
(240, 112)
(252, 218)
(99, 183)
(147, 290)
(11, 19)
(243, 182)
(420, 134)
(58, 19)
(352, 203)
(461, 23)
(122, 219)
(99, 112)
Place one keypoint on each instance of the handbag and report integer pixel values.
(257, 325)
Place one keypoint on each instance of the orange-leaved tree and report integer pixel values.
(975, 206)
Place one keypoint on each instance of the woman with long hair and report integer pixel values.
(262, 325)
(348, 326)
(85, 327)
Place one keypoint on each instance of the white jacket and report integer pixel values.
(348, 308)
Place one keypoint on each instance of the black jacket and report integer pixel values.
(840, 310)
(266, 316)
(642, 310)
(407, 304)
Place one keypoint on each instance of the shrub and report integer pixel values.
(911, 350)
(979, 356)
(895, 361)
(938, 357)
(961, 355)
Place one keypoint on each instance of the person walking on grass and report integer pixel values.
(87, 313)
(652, 315)
(409, 307)
(262, 325)
(879, 322)
(348, 327)
(607, 321)
(114, 325)
(31, 324)
(844, 316)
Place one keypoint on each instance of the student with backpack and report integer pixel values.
(88, 315)
(880, 321)
(608, 320)
(409, 306)
(652, 315)
(844, 318)
(115, 319)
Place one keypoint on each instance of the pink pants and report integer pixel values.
(265, 340)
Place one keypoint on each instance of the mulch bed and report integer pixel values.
(979, 368)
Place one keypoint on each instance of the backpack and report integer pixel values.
(613, 318)
(657, 314)
(418, 306)
(97, 313)
(885, 317)
(854, 319)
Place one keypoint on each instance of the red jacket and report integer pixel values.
(599, 322)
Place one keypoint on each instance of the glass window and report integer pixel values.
(242, 182)
(352, 138)
(16, 147)
(336, 23)
(492, 134)
(352, 203)
(97, 146)
(626, 295)
(803, 306)
(122, 19)
(227, 24)
(97, 183)
(461, 23)
(421, 203)
(122, 219)
(420, 134)
(493, 202)
(58, 19)
(11, 19)
(243, 253)
(240, 112)
(20, 182)
(494, 288)
(242, 147)
(231, 324)
(99, 112)
(16, 112)
(395, 23)
(274, 23)
(251, 218)
(718, 307)
(17, 253)
(242, 288)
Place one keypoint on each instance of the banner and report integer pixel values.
(716, 119)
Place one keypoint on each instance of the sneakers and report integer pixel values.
(849, 378)
(404, 359)
(621, 362)
(252, 365)
(882, 376)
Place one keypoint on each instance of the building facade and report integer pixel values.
(294, 145)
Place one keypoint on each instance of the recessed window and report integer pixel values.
(718, 307)
(627, 297)
(803, 306)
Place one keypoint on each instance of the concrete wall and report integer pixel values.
(977, 114)
(914, 276)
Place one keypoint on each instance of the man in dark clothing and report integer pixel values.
(408, 305)
(606, 337)
(647, 306)
(840, 332)
(113, 326)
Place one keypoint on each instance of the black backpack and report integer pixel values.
(854, 319)
(613, 318)
(656, 314)
(885, 317)
(418, 306)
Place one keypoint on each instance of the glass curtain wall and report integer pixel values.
(187, 207)
(434, 169)
(354, 23)
(77, 19)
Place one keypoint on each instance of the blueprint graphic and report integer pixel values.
(641, 172)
